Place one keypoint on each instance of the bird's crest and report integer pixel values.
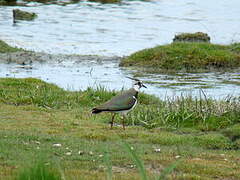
(138, 82)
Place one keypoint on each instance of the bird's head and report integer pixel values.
(137, 84)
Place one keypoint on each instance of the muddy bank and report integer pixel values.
(29, 57)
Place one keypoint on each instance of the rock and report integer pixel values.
(23, 15)
(80, 152)
(68, 153)
(157, 150)
(177, 157)
(192, 37)
(57, 145)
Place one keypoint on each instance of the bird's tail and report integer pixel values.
(95, 111)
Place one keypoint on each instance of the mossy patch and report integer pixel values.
(185, 56)
(192, 37)
(5, 48)
(23, 15)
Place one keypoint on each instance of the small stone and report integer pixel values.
(68, 153)
(100, 155)
(57, 145)
(37, 142)
(25, 143)
(157, 150)
(132, 148)
(38, 147)
(225, 159)
(80, 152)
(101, 167)
(90, 153)
(177, 157)
(67, 148)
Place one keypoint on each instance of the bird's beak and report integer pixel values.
(144, 86)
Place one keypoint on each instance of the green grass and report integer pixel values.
(40, 171)
(198, 139)
(5, 48)
(186, 56)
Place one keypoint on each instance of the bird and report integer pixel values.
(122, 103)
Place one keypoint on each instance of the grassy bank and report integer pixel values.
(5, 48)
(199, 138)
(186, 56)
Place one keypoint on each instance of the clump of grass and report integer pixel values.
(185, 56)
(38, 172)
(140, 164)
(5, 48)
(213, 141)
(204, 113)
(192, 37)
(233, 133)
(136, 160)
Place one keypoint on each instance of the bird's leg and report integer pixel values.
(112, 120)
(123, 118)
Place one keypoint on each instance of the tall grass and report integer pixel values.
(38, 172)
(203, 113)
(139, 164)
(108, 164)
(43, 171)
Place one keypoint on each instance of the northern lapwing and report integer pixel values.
(121, 103)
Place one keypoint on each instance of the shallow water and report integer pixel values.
(78, 76)
(118, 29)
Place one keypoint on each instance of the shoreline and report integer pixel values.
(30, 57)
